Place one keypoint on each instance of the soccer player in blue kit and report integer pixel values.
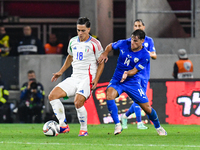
(133, 58)
(149, 45)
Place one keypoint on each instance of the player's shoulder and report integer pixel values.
(148, 38)
(145, 51)
(73, 39)
(122, 42)
(94, 40)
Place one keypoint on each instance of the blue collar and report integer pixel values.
(90, 37)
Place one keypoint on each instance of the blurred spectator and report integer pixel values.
(183, 68)
(5, 112)
(4, 42)
(53, 47)
(29, 44)
(31, 100)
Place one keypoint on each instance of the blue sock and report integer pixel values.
(137, 109)
(130, 111)
(154, 118)
(112, 108)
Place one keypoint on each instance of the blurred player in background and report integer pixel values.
(84, 51)
(149, 45)
(133, 59)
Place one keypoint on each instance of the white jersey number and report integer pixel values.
(127, 61)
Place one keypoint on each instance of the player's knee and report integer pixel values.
(147, 110)
(78, 104)
(51, 96)
(109, 97)
(111, 94)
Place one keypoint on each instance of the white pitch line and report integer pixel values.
(128, 145)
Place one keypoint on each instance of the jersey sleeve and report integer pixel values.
(151, 45)
(116, 45)
(142, 63)
(69, 49)
(97, 48)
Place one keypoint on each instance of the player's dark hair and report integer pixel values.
(84, 20)
(139, 20)
(139, 33)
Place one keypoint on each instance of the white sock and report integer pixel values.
(59, 111)
(124, 116)
(118, 124)
(82, 117)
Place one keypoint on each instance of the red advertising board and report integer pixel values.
(183, 102)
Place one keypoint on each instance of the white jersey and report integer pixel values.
(85, 56)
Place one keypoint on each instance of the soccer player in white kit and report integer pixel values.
(84, 51)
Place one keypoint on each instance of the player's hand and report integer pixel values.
(94, 84)
(124, 76)
(103, 58)
(55, 76)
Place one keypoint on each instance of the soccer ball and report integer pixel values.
(51, 128)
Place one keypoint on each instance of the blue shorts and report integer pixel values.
(133, 90)
(144, 83)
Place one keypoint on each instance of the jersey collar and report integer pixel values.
(90, 37)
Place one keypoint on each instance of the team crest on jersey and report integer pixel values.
(87, 48)
(146, 44)
(129, 56)
(136, 60)
(33, 41)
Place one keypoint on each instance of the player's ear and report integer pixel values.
(88, 30)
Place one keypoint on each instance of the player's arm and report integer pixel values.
(153, 55)
(152, 50)
(104, 56)
(138, 67)
(65, 66)
(98, 75)
(131, 72)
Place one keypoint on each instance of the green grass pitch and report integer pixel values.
(101, 137)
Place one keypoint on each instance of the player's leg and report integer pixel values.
(152, 115)
(135, 108)
(82, 94)
(137, 95)
(111, 94)
(81, 113)
(58, 108)
(124, 117)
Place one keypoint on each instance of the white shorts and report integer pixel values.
(72, 85)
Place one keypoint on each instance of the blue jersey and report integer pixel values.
(128, 59)
(149, 45)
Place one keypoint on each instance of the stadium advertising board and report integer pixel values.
(176, 102)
